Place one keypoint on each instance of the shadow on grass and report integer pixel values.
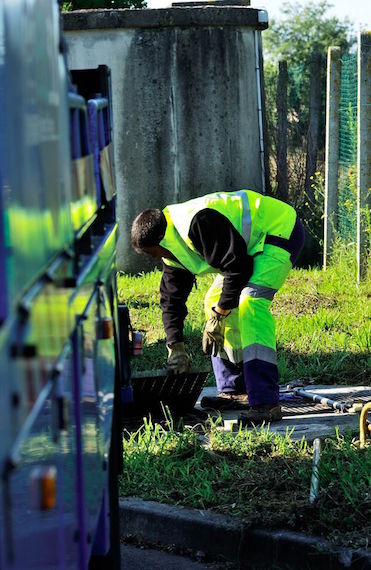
(340, 367)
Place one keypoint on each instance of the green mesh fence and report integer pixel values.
(298, 90)
(347, 221)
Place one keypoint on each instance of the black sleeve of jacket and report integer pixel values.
(220, 244)
(176, 284)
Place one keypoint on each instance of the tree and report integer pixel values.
(305, 28)
(301, 36)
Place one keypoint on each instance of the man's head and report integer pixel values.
(147, 231)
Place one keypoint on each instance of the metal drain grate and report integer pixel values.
(179, 393)
(296, 407)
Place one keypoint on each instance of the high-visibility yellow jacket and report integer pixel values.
(253, 215)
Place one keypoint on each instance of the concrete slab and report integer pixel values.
(303, 418)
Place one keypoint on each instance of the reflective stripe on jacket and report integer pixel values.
(252, 214)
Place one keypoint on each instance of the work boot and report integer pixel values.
(257, 415)
(226, 401)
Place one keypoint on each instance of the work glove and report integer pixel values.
(178, 359)
(213, 337)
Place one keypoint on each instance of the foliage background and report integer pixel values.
(302, 30)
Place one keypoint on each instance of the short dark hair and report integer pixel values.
(148, 228)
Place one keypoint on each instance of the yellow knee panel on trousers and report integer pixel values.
(252, 322)
(257, 324)
(232, 336)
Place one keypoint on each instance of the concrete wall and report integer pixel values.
(185, 103)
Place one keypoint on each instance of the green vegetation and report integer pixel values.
(323, 322)
(303, 30)
(324, 334)
(260, 477)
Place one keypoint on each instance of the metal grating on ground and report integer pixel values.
(152, 389)
(303, 406)
(308, 418)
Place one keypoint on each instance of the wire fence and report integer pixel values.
(310, 202)
(347, 187)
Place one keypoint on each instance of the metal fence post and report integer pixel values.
(332, 150)
(364, 151)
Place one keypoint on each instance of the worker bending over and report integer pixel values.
(251, 241)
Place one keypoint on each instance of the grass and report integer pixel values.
(323, 333)
(322, 322)
(258, 476)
